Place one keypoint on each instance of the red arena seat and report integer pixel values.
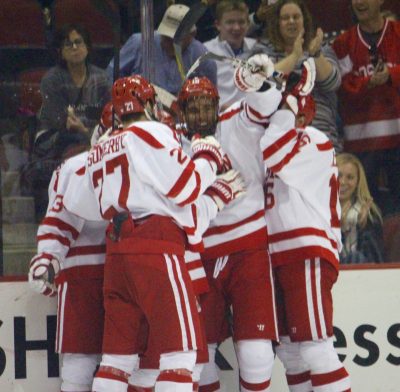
(85, 13)
(22, 24)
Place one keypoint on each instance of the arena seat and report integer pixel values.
(84, 12)
(326, 14)
(391, 237)
(22, 24)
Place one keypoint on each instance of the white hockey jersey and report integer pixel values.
(241, 225)
(301, 192)
(76, 243)
(144, 170)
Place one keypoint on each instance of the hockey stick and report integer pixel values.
(165, 97)
(195, 12)
(276, 76)
(212, 56)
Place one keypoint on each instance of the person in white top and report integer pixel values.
(232, 23)
(73, 249)
(303, 220)
(235, 257)
(140, 178)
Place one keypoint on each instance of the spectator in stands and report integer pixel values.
(369, 58)
(259, 17)
(361, 220)
(167, 73)
(232, 23)
(74, 91)
(290, 39)
(73, 95)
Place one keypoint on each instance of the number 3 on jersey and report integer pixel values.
(120, 161)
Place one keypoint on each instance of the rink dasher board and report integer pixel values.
(367, 335)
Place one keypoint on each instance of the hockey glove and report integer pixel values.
(226, 188)
(307, 79)
(208, 148)
(251, 75)
(295, 95)
(42, 270)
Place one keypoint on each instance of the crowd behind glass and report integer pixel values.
(30, 150)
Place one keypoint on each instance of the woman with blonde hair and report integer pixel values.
(361, 219)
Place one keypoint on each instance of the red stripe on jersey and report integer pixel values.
(287, 158)
(55, 187)
(256, 113)
(256, 240)
(248, 109)
(86, 250)
(225, 228)
(63, 240)
(304, 231)
(325, 146)
(286, 138)
(182, 180)
(328, 378)
(314, 296)
(192, 230)
(228, 115)
(60, 224)
(197, 247)
(293, 379)
(192, 265)
(81, 171)
(253, 386)
(195, 194)
(146, 137)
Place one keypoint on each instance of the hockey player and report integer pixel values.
(302, 214)
(106, 122)
(146, 185)
(74, 250)
(235, 257)
(144, 378)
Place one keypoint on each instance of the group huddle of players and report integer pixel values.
(164, 243)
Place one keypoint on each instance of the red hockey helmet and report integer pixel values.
(198, 101)
(198, 86)
(306, 106)
(130, 94)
